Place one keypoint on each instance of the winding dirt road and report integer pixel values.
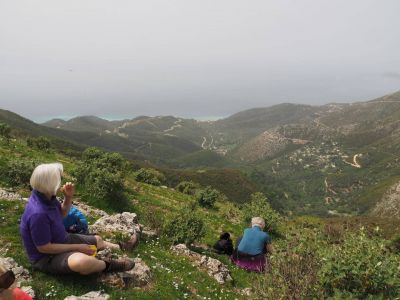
(354, 163)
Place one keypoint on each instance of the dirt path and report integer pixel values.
(327, 187)
(177, 124)
(212, 142)
(203, 143)
(354, 163)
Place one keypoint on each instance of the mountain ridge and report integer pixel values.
(301, 155)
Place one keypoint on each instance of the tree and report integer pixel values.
(207, 197)
(187, 187)
(150, 176)
(260, 207)
(5, 131)
(184, 226)
(40, 143)
(101, 176)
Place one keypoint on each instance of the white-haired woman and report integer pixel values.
(252, 247)
(49, 247)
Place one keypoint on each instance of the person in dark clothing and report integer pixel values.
(224, 244)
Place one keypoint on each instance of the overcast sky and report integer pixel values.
(204, 58)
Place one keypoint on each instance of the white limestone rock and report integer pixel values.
(139, 276)
(21, 274)
(214, 267)
(89, 210)
(125, 223)
(7, 195)
(94, 295)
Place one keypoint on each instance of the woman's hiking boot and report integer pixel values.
(118, 265)
(6, 280)
(130, 244)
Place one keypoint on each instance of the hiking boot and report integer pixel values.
(6, 280)
(118, 265)
(130, 244)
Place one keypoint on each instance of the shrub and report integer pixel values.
(101, 176)
(334, 233)
(232, 213)
(362, 266)
(150, 176)
(184, 227)
(153, 218)
(292, 273)
(395, 244)
(104, 185)
(41, 143)
(96, 159)
(18, 172)
(259, 207)
(207, 197)
(104, 160)
(187, 187)
(5, 131)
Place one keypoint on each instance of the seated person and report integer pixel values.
(49, 247)
(8, 291)
(224, 245)
(75, 222)
(252, 247)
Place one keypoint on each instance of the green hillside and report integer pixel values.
(330, 159)
(314, 258)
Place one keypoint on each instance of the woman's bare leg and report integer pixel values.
(101, 244)
(85, 264)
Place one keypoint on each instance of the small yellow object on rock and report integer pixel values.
(93, 247)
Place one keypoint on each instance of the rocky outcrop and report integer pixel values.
(29, 290)
(7, 195)
(139, 276)
(389, 206)
(125, 223)
(22, 275)
(148, 233)
(89, 210)
(214, 267)
(95, 295)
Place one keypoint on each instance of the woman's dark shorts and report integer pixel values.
(58, 263)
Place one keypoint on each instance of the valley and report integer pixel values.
(288, 151)
(329, 178)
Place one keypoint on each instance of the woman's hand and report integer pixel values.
(86, 249)
(69, 190)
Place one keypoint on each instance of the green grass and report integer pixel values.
(173, 276)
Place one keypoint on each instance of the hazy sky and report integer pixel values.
(193, 58)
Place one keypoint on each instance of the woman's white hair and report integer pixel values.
(258, 221)
(46, 178)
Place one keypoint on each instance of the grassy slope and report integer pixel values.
(167, 267)
(231, 182)
(173, 276)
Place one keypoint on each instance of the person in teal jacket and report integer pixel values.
(75, 222)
